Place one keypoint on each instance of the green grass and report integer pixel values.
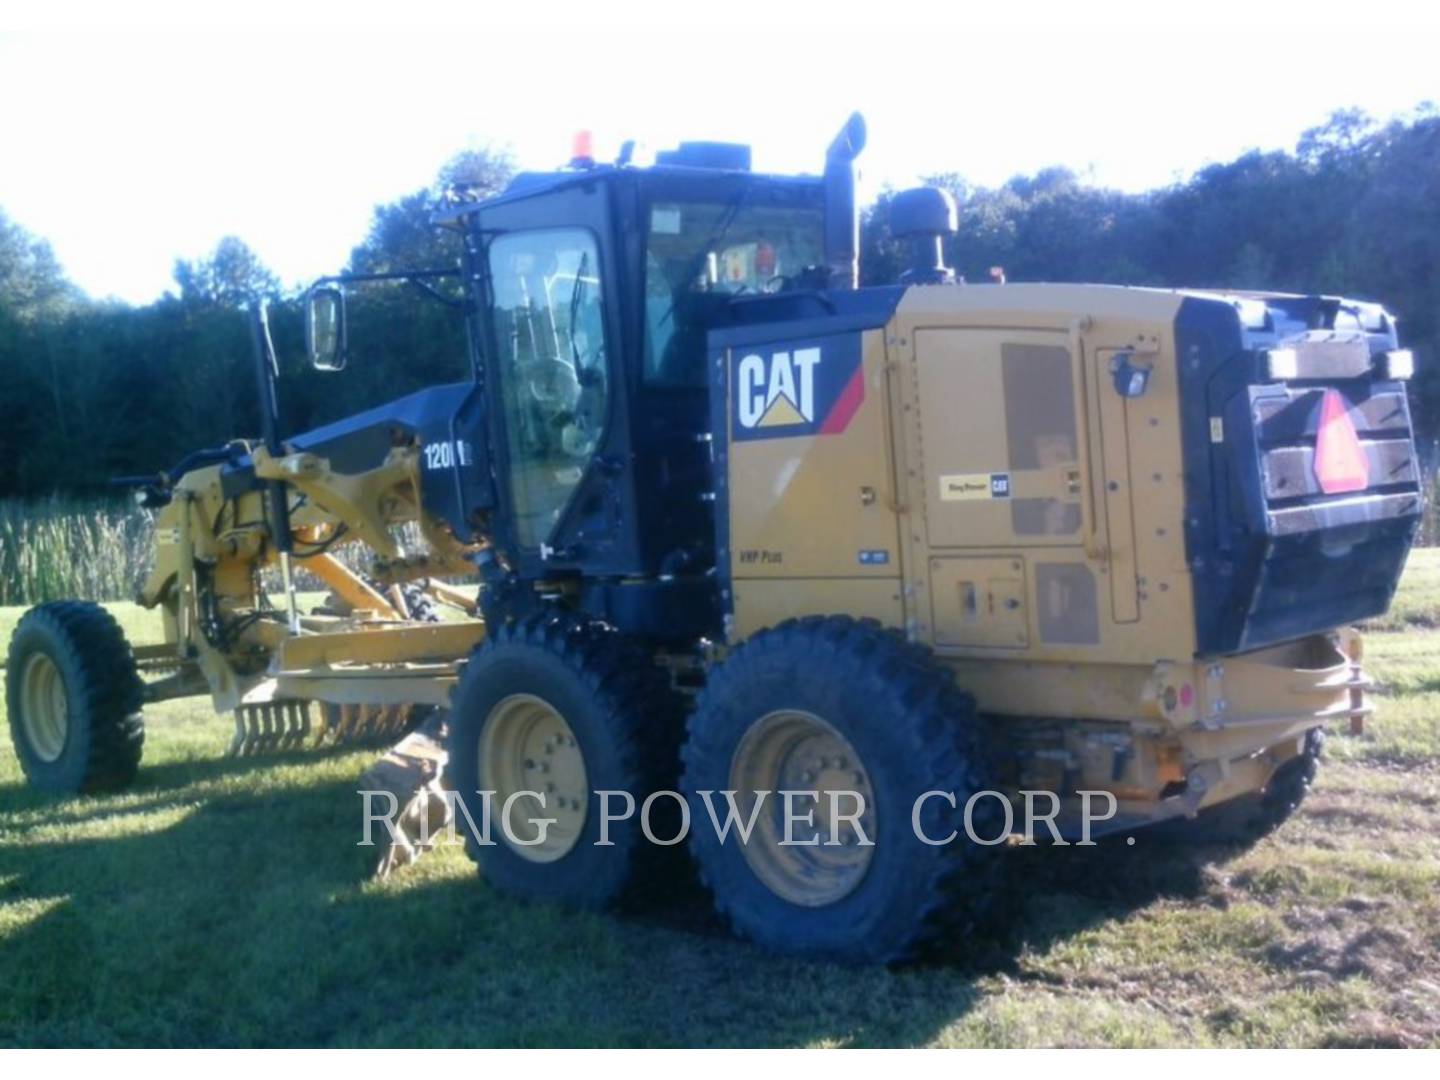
(1402, 654)
(224, 902)
(1417, 603)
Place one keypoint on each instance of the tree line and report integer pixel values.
(94, 389)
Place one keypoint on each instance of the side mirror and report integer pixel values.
(325, 328)
(1131, 379)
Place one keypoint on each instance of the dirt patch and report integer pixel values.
(1339, 945)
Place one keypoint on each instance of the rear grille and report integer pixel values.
(1285, 421)
(1273, 556)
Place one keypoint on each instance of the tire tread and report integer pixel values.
(939, 727)
(110, 695)
(642, 714)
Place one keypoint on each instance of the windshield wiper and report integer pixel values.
(576, 292)
(732, 211)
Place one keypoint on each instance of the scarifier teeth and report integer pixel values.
(288, 725)
(238, 740)
(302, 732)
(270, 727)
(344, 724)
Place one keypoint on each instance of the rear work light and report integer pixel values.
(1395, 364)
(1282, 364)
(1340, 464)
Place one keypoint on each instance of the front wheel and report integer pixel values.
(868, 859)
(73, 697)
(555, 717)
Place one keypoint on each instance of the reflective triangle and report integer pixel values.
(1340, 464)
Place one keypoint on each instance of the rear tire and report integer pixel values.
(843, 705)
(74, 698)
(558, 702)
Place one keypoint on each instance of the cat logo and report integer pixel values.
(780, 393)
(790, 389)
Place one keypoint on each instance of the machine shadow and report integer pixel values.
(176, 775)
(155, 786)
(250, 921)
(1049, 894)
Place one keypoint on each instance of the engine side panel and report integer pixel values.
(811, 507)
(1044, 512)
(1044, 524)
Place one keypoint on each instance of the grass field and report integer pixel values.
(224, 902)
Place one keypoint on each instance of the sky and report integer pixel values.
(134, 134)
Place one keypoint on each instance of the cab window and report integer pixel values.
(549, 326)
(697, 249)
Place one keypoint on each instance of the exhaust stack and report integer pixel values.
(842, 218)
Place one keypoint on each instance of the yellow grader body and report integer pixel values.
(1064, 606)
(1064, 603)
(371, 664)
(709, 518)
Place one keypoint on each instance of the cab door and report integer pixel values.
(553, 387)
(556, 387)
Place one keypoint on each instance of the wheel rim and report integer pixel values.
(44, 708)
(791, 750)
(526, 745)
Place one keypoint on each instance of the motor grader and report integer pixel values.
(731, 523)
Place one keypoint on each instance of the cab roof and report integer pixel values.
(526, 185)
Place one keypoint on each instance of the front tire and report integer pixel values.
(566, 708)
(833, 705)
(74, 697)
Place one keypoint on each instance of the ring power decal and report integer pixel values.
(790, 388)
(957, 487)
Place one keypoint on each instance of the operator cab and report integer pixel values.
(594, 288)
(581, 451)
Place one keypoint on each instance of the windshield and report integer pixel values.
(698, 248)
